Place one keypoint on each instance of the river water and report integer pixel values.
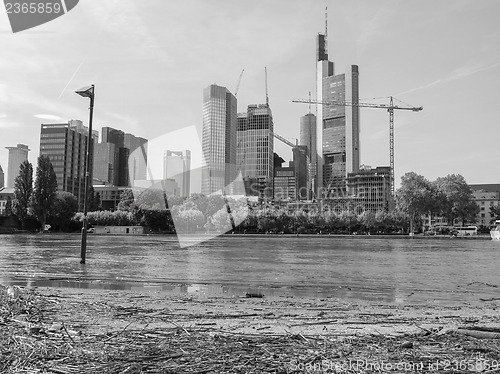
(439, 271)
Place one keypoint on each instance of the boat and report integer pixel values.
(495, 232)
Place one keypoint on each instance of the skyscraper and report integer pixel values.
(337, 126)
(116, 162)
(218, 140)
(17, 155)
(65, 144)
(255, 157)
(177, 165)
(308, 137)
(133, 159)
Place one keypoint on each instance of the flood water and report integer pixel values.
(444, 271)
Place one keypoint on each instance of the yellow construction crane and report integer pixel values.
(389, 107)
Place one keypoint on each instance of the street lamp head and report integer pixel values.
(87, 91)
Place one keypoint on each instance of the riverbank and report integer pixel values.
(64, 330)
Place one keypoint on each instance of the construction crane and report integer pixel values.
(238, 85)
(389, 107)
(287, 142)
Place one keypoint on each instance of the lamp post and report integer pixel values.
(86, 92)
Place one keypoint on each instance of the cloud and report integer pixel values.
(49, 117)
(457, 74)
(123, 19)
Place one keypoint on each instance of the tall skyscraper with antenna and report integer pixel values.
(337, 126)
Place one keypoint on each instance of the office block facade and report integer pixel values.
(255, 154)
(110, 196)
(105, 164)
(17, 155)
(177, 166)
(65, 145)
(486, 196)
(116, 162)
(218, 140)
(285, 187)
(290, 182)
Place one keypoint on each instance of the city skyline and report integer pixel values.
(149, 80)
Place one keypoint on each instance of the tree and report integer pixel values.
(44, 193)
(23, 188)
(458, 200)
(416, 197)
(94, 200)
(126, 201)
(63, 209)
(368, 220)
(187, 220)
(8, 207)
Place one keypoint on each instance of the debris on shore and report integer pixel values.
(65, 333)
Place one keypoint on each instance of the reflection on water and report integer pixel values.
(394, 270)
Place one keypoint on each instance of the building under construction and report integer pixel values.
(365, 190)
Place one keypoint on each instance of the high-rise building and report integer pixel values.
(105, 164)
(115, 161)
(133, 159)
(218, 140)
(17, 155)
(337, 126)
(302, 165)
(284, 182)
(255, 156)
(177, 166)
(307, 138)
(2, 178)
(65, 145)
(290, 182)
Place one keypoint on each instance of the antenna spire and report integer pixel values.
(326, 29)
(267, 97)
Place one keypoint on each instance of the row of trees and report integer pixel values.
(448, 196)
(36, 199)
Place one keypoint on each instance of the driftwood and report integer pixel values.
(480, 332)
(146, 341)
